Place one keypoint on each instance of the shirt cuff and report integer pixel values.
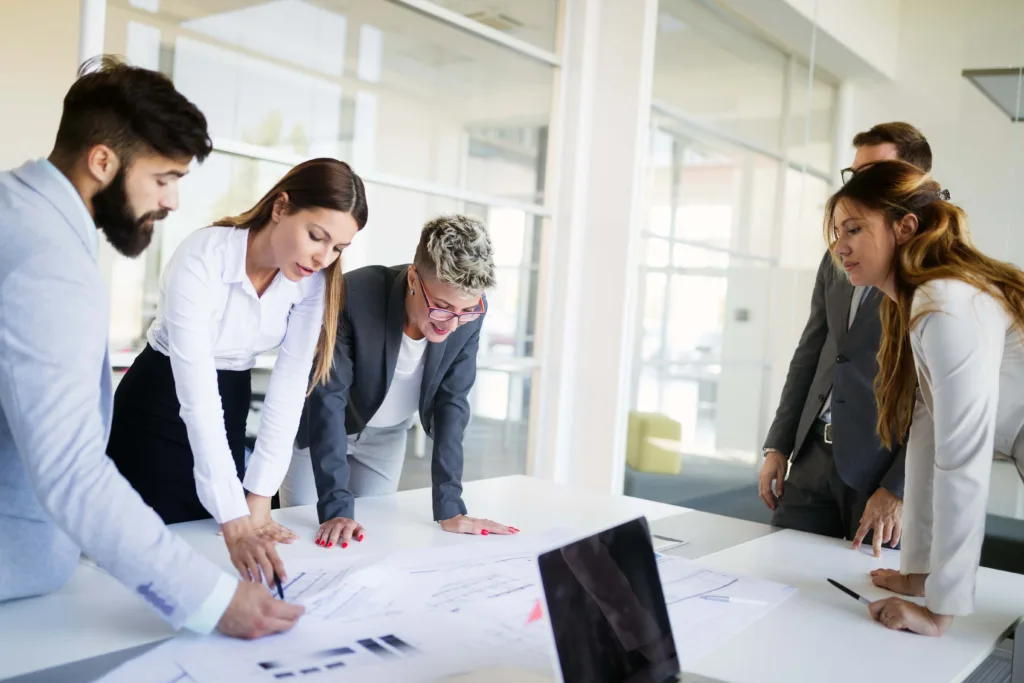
(224, 499)
(263, 476)
(206, 618)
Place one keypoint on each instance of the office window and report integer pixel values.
(811, 121)
(532, 21)
(803, 240)
(717, 75)
(384, 87)
(706, 191)
(738, 171)
(700, 346)
(434, 117)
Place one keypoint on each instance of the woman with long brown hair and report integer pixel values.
(268, 278)
(950, 376)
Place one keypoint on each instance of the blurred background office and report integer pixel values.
(653, 174)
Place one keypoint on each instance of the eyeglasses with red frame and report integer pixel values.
(443, 315)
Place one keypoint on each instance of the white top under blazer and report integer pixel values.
(210, 319)
(970, 406)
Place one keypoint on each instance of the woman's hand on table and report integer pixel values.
(263, 524)
(900, 615)
(339, 531)
(252, 554)
(462, 524)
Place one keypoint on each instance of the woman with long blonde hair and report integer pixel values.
(268, 278)
(950, 377)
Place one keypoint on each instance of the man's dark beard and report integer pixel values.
(114, 216)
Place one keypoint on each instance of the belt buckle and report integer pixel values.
(828, 433)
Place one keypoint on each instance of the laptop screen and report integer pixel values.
(607, 609)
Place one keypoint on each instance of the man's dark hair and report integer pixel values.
(131, 110)
(911, 145)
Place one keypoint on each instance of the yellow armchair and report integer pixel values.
(652, 443)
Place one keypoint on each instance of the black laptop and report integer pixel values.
(608, 612)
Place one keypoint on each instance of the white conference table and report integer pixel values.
(819, 634)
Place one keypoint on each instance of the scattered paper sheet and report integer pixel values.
(699, 624)
(343, 589)
(412, 648)
(158, 665)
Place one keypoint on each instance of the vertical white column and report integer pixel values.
(600, 137)
(93, 23)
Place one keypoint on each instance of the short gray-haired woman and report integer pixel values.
(407, 342)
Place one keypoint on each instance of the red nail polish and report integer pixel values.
(344, 545)
(360, 538)
(330, 545)
(484, 532)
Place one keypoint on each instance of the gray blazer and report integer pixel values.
(59, 491)
(365, 355)
(832, 355)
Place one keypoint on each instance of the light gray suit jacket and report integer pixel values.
(59, 492)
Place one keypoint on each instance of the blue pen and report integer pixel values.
(280, 591)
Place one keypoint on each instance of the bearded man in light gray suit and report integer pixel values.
(125, 138)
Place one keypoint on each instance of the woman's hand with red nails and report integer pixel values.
(461, 524)
(339, 531)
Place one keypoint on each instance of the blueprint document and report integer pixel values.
(498, 591)
(500, 578)
(428, 613)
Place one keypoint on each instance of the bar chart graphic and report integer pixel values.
(302, 666)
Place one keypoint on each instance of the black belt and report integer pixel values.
(823, 430)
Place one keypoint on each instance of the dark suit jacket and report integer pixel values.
(365, 355)
(832, 355)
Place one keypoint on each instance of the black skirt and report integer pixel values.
(149, 442)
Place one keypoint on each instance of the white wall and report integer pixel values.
(870, 28)
(978, 151)
(39, 51)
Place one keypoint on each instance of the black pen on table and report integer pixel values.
(856, 596)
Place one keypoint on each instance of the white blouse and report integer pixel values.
(209, 319)
(970, 405)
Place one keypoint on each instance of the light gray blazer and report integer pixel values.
(969, 358)
(59, 492)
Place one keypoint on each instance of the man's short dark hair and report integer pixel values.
(131, 110)
(911, 145)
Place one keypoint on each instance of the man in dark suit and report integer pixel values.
(843, 481)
